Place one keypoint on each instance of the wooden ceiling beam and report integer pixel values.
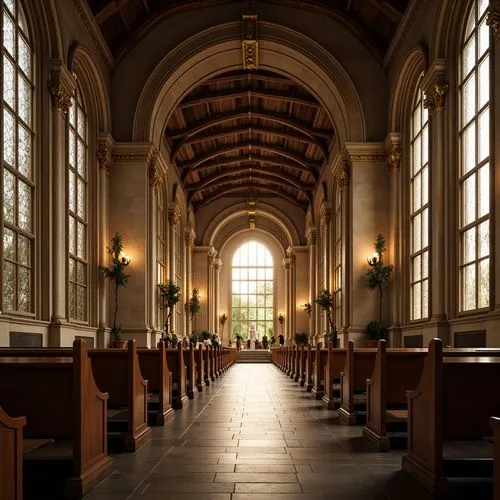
(243, 160)
(251, 191)
(280, 118)
(233, 94)
(186, 167)
(262, 173)
(220, 134)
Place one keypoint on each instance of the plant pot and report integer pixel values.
(118, 344)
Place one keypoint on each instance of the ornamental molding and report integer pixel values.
(286, 263)
(402, 31)
(62, 86)
(343, 176)
(325, 216)
(493, 17)
(174, 215)
(250, 45)
(94, 31)
(154, 174)
(312, 236)
(394, 151)
(189, 237)
(435, 85)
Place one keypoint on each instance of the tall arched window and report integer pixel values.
(337, 281)
(419, 210)
(474, 173)
(252, 290)
(77, 210)
(161, 275)
(17, 151)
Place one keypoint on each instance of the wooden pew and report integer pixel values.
(318, 388)
(11, 456)
(311, 355)
(301, 366)
(495, 424)
(200, 368)
(291, 365)
(154, 368)
(448, 418)
(118, 372)
(207, 366)
(61, 402)
(335, 362)
(191, 371)
(395, 372)
(358, 367)
(175, 360)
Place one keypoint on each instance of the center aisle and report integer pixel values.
(254, 434)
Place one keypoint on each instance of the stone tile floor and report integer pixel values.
(255, 434)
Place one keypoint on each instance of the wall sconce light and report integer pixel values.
(373, 260)
(307, 308)
(125, 259)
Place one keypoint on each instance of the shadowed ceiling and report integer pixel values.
(252, 134)
(374, 22)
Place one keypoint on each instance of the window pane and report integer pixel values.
(469, 100)
(470, 287)
(484, 190)
(484, 283)
(469, 56)
(9, 35)
(469, 193)
(470, 245)
(484, 135)
(484, 239)
(9, 83)
(484, 82)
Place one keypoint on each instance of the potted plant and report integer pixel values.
(174, 340)
(206, 335)
(326, 303)
(378, 276)
(239, 338)
(193, 339)
(194, 306)
(375, 331)
(170, 294)
(116, 274)
(281, 319)
(223, 319)
(273, 340)
(265, 342)
(301, 338)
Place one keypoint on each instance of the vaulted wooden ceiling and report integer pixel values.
(252, 134)
(374, 22)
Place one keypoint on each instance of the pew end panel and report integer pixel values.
(11, 461)
(495, 424)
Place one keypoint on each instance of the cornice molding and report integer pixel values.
(402, 31)
(94, 31)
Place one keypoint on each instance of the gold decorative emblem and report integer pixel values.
(249, 45)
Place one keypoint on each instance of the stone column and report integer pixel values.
(189, 237)
(286, 267)
(62, 87)
(292, 320)
(210, 293)
(105, 159)
(174, 217)
(129, 215)
(396, 238)
(493, 326)
(312, 238)
(365, 170)
(217, 269)
(436, 88)
(155, 174)
(325, 217)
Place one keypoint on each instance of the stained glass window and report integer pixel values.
(419, 210)
(474, 174)
(337, 277)
(18, 178)
(160, 250)
(77, 210)
(252, 298)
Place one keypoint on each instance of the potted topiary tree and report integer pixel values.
(170, 294)
(223, 319)
(116, 275)
(378, 276)
(326, 302)
(239, 338)
(194, 307)
(301, 338)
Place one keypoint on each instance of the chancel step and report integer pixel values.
(256, 356)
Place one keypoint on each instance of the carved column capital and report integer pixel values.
(154, 173)
(435, 96)
(189, 237)
(62, 85)
(394, 158)
(105, 153)
(312, 236)
(286, 264)
(174, 217)
(344, 173)
(493, 17)
(325, 216)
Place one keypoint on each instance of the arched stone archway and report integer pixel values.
(281, 50)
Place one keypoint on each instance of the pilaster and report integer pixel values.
(312, 242)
